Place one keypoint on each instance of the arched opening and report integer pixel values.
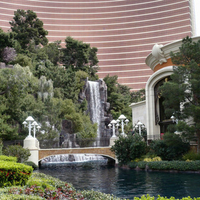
(160, 116)
(75, 160)
(156, 123)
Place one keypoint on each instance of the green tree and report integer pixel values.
(15, 85)
(6, 40)
(137, 96)
(119, 97)
(182, 93)
(54, 52)
(28, 28)
(80, 56)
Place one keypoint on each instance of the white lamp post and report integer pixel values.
(174, 120)
(29, 119)
(140, 125)
(122, 118)
(31, 123)
(112, 125)
(34, 124)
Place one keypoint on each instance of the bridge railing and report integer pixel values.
(76, 143)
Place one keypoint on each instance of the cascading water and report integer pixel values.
(95, 104)
(73, 159)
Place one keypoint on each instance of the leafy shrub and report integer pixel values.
(93, 195)
(129, 148)
(170, 148)
(32, 164)
(48, 179)
(147, 197)
(157, 158)
(8, 158)
(168, 165)
(17, 151)
(191, 156)
(43, 186)
(19, 197)
(12, 173)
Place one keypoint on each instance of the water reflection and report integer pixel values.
(126, 183)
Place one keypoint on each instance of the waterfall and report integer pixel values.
(95, 104)
(65, 158)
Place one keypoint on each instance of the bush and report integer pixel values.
(162, 198)
(129, 148)
(43, 186)
(12, 173)
(170, 148)
(19, 197)
(17, 151)
(32, 164)
(168, 165)
(93, 195)
(8, 158)
(191, 156)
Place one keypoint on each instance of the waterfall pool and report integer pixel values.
(125, 183)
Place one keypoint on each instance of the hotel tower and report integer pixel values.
(124, 31)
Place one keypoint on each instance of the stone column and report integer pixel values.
(32, 144)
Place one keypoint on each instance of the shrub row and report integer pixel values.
(8, 158)
(12, 173)
(163, 198)
(167, 165)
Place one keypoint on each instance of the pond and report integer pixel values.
(126, 183)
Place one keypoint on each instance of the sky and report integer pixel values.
(197, 16)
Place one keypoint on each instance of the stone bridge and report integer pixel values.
(104, 151)
(38, 154)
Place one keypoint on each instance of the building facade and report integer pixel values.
(124, 31)
(150, 114)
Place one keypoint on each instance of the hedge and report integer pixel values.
(167, 165)
(12, 173)
(8, 158)
(163, 198)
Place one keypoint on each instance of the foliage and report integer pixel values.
(8, 158)
(8, 54)
(89, 130)
(167, 165)
(128, 148)
(80, 56)
(157, 158)
(170, 148)
(32, 164)
(12, 173)
(184, 85)
(17, 151)
(137, 96)
(45, 187)
(28, 28)
(119, 97)
(191, 155)
(148, 197)
(1, 146)
(94, 195)
(53, 50)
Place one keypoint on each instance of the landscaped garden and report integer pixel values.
(19, 181)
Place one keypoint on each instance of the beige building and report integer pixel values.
(149, 111)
